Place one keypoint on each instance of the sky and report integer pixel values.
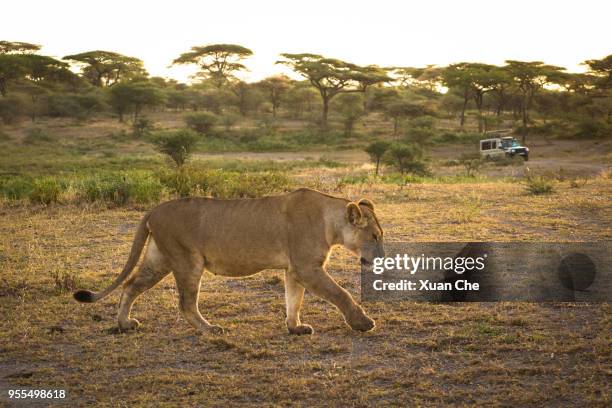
(381, 32)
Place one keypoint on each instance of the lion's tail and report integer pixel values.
(142, 233)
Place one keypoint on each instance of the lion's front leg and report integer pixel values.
(318, 281)
(294, 294)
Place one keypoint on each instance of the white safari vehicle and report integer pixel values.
(506, 146)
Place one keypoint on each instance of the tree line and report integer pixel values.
(82, 84)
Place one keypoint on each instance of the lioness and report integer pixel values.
(294, 232)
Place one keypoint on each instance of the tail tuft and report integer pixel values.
(84, 296)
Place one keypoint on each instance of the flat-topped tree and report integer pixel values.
(41, 75)
(456, 77)
(368, 76)
(13, 64)
(329, 75)
(106, 68)
(20, 65)
(217, 62)
(428, 77)
(472, 80)
(17, 47)
(602, 70)
(482, 81)
(529, 78)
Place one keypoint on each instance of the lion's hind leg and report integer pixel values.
(152, 270)
(188, 270)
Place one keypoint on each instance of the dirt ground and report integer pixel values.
(485, 354)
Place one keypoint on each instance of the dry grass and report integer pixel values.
(490, 354)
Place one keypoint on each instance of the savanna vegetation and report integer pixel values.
(90, 142)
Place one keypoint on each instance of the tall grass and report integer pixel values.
(143, 187)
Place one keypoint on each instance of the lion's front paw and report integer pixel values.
(301, 329)
(362, 323)
(129, 324)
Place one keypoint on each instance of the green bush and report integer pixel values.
(16, 188)
(201, 122)
(407, 158)
(46, 190)
(593, 129)
(223, 184)
(78, 106)
(178, 145)
(118, 189)
(142, 127)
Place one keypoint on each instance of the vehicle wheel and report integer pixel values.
(526, 157)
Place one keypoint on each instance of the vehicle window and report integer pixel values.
(486, 145)
(494, 145)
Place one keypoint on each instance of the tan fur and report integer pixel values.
(234, 238)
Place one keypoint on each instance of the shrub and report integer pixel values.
(407, 159)
(46, 190)
(16, 188)
(377, 150)
(224, 184)
(146, 189)
(538, 185)
(75, 105)
(228, 120)
(120, 189)
(471, 162)
(178, 145)
(142, 127)
(201, 122)
(593, 129)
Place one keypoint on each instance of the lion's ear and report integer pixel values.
(353, 213)
(367, 203)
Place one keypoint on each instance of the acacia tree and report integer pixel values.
(17, 47)
(275, 87)
(217, 62)
(428, 77)
(134, 97)
(328, 75)
(106, 68)
(42, 74)
(602, 69)
(399, 109)
(481, 81)
(501, 88)
(455, 77)
(529, 78)
(368, 76)
(601, 73)
(14, 63)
